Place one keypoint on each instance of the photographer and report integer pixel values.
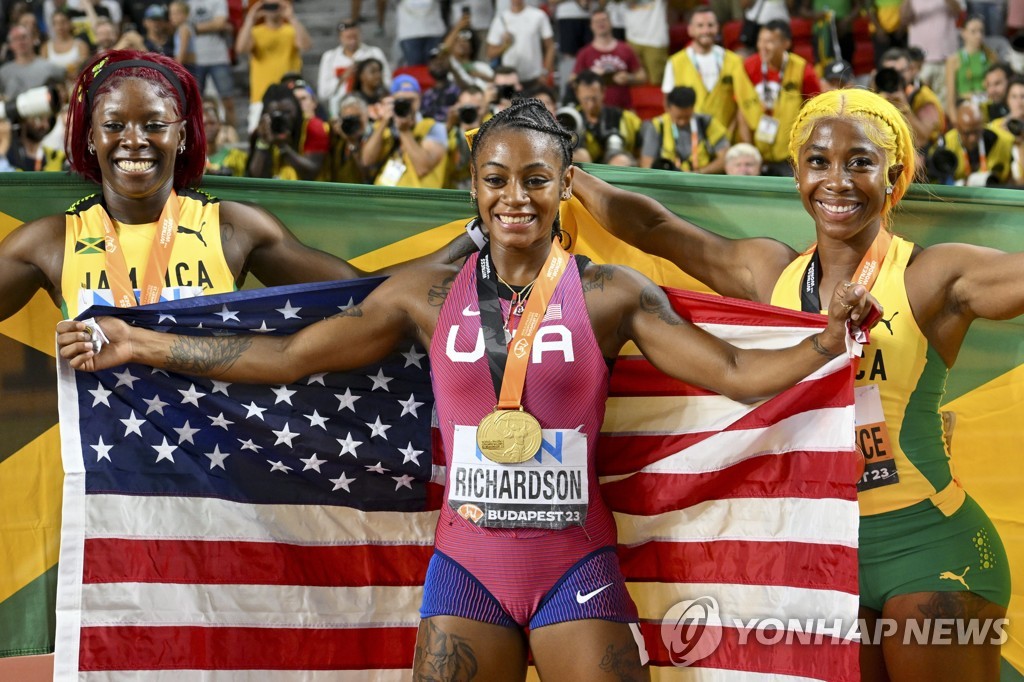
(506, 86)
(607, 130)
(468, 113)
(349, 132)
(27, 151)
(916, 101)
(409, 150)
(1013, 123)
(982, 151)
(682, 140)
(283, 146)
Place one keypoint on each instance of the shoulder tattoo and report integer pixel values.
(654, 301)
(438, 293)
(594, 278)
(205, 355)
(351, 311)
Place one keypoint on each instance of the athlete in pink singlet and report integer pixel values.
(525, 559)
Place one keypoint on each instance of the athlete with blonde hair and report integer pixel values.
(853, 155)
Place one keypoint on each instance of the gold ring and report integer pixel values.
(847, 286)
(847, 307)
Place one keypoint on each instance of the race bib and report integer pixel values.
(767, 129)
(392, 172)
(548, 491)
(873, 440)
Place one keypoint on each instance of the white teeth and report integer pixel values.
(135, 165)
(837, 209)
(515, 220)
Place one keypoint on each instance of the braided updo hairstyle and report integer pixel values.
(881, 122)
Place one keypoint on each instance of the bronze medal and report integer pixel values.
(509, 436)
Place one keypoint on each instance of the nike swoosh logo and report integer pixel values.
(584, 598)
(469, 312)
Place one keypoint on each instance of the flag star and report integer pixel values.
(226, 314)
(263, 328)
(199, 326)
(409, 406)
(220, 421)
(249, 445)
(413, 357)
(254, 411)
(316, 379)
(185, 433)
(157, 370)
(191, 395)
(380, 381)
(316, 420)
(284, 395)
(155, 405)
(403, 480)
(377, 468)
(278, 466)
(346, 400)
(102, 450)
(410, 454)
(100, 395)
(312, 462)
(220, 387)
(289, 312)
(377, 428)
(217, 457)
(126, 378)
(132, 424)
(165, 450)
(348, 445)
(341, 482)
(166, 316)
(285, 435)
(351, 302)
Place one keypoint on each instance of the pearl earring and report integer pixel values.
(888, 191)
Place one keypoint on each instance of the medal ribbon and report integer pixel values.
(508, 370)
(152, 283)
(867, 271)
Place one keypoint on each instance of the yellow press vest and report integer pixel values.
(921, 98)
(786, 108)
(197, 258)
(434, 179)
(666, 128)
(1000, 154)
(733, 89)
(910, 377)
(629, 126)
(284, 171)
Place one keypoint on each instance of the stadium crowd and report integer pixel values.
(705, 88)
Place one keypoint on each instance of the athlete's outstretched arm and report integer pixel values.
(741, 268)
(31, 258)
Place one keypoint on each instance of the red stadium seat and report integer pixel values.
(678, 37)
(731, 34)
(802, 29)
(420, 72)
(648, 101)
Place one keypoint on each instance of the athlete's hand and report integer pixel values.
(74, 341)
(850, 302)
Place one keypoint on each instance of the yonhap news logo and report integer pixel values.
(691, 630)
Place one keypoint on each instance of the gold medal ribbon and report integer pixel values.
(866, 273)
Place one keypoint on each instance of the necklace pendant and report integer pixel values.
(519, 310)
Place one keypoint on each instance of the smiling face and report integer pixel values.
(703, 29)
(995, 85)
(519, 179)
(136, 131)
(1015, 100)
(842, 178)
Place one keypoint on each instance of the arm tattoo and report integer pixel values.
(351, 311)
(653, 301)
(441, 656)
(624, 663)
(439, 292)
(821, 350)
(203, 356)
(596, 277)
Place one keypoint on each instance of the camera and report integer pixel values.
(889, 80)
(941, 165)
(1015, 126)
(469, 114)
(506, 91)
(351, 125)
(572, 120)
(271, 6)
(403, 107)
(41, 101)
(279, 123)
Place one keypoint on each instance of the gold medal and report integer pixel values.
(509, 436)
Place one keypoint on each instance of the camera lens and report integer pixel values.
(468, 114)
(1015, 126)
(888, 80)
(403, 107)
(351, 125)
(278, 123)
(506, 91)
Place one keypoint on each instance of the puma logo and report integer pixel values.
(887, 323)
(198, 233)
(950, 575)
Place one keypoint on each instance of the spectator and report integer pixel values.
(965, 68)
(743, 159)
(992, 14)
(356, 18)
(465, 68)
(63, 48)
(158, 36)
(838, 75)
(681, 139)
(572, 31)
(521, 36)
(889, 30)
(409, 150)
(221, 157)
(369, 85)
(436, 101)
(506, 86)
(26, 70)
(621, 159)
(467, 114)
(764, 12)
(607, 129)
(274, 46)
(784, 81)
(184, 38)
(212, 52)
(916, 101)
(546, 96)
(285, 145)
(716, 75)
(997, 78)
(931, 26)
(646, 25)
(336, 75)
(1015, 103)
(478, 16)
(106, 34)
(611, 59)
(27, 151)
(825, 14)
(351, 129)
(978, 148)
(420, 28)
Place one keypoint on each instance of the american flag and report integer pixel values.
(219, 531)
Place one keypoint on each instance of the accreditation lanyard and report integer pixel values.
(694, 143)
(982, 156)
(508, 369)
(156, 265)
(867, 272)
(768, 94)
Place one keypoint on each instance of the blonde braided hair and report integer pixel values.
(881, 122)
